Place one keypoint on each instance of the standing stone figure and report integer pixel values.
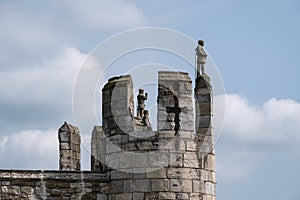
(141, 103)
(201, 58)
(145, 120)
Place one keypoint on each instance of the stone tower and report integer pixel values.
(130, 161)
(174, 162)
(69, 147)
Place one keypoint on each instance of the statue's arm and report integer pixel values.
(203, 53)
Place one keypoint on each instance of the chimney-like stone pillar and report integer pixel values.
(205, 136)
(69, 147)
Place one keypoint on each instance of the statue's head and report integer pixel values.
(141, 91)
(201, 42)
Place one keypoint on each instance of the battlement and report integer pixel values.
(164, 164)
(130, 161)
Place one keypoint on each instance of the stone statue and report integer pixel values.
(141, 103)
(201, 58)
(145, 120)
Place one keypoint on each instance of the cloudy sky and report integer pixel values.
(255, 45)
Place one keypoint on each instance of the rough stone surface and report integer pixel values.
(49, 184)
(160, 185)
(69, 147)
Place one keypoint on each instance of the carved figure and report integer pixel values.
(201, 58)
(145, 120)
(141, 103)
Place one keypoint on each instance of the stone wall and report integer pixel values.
(52, 185)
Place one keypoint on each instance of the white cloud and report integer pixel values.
(38, 30)
(251, 132)
(49, 82)
(30, 149)
(236, 165)
(276, 121)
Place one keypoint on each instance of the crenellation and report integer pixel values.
(130, 161)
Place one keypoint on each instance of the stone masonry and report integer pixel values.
(69, 147)
(130, 161)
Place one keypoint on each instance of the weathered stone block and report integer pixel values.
(87, 190)
(179, 185)
(195, 196)
(190, 160)
(143, 185)
(158, 159)
(140, 161)
(204, 108)
(126, 186)
(166, 195)
(64, 184)
(137, 175)
(160, 185)
(112, 147)
(64, 136)
(203, 121)
(129, 147)
(212, 177)
(165, 144)
(191, 146)
(151, 196)
(123, 120)
(187, 126)
(111, 197)
(185, 173)
(182, 196)
(161, 173)
(16, 188)
(123, 196)
(186, 134)
(176, 159)
(5, 183)
(203, 174)
(166, 134)
(144, 146)
(202, 98)
(198, 186)
(115, 174)
(104, 188)
(179, 145)
(119, 104)
(65, 153)
(207, 197)
(209, 188)
(101, 197)
(51, 184)
(116, 186)
(137, 196)
(209, 162)
(64, 146)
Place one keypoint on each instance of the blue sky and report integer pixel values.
(253, 43)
